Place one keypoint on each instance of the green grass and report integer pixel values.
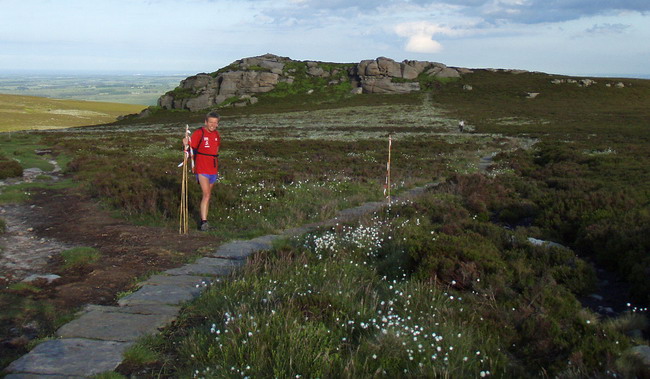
(19, 193)
(21, 147)
(79, 257)
(141, 354)
(36, 113)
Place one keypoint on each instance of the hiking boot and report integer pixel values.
(204, 227)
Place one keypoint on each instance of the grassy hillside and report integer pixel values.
(28, 112)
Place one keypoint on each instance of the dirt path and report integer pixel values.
(56, 220)
(23, 251)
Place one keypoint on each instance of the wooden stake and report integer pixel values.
(387, 187)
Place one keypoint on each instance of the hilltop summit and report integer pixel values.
(240, 82)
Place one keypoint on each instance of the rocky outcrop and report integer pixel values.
(240, 82)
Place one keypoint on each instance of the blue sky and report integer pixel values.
(572, 37)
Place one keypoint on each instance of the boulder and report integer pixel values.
(272, 65)
(166, 101)
(203, 101)
(244, 77)
(229, 83)
(316, 71)
(642, 355)
(586, 82)
(257, 82)
(643, 351)
(409, 72)
(418, 66)
(196, 82)
(49, 278)
(547, 244)
(369, 68)
(447, 72)
(386, 85)
(389, 67)
(145, 113)
(433, 71)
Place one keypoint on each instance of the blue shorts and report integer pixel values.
(212, 178)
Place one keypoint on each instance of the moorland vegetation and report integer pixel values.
(443, 285)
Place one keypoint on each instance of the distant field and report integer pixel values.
(123, 88)
(29, 112)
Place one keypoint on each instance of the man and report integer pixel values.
(205, 143)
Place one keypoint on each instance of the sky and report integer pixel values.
(570, 37)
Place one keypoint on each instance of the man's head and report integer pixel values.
(212, 121)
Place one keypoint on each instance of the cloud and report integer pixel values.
(422, 43)
(608, 29)
(493, 11)
(420, 36)
(542, 11)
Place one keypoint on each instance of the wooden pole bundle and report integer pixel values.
(184, 213)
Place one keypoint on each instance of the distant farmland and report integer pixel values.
(129, 89)
(29, 112)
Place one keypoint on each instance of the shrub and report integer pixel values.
(10, 168)
(183, 93)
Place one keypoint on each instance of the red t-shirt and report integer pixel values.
(206, 142)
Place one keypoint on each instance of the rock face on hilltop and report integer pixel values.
(240, 82)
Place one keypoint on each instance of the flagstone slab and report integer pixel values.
(294, 232)
(178, 280)
(220, 262)
(144, 309)
(160, 294)
(265, 242)
(113, 326)
(242, 249)
(201, 269)
(74, 357)
(40, 376)
(349, 214)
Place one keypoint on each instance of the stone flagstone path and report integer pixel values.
(95, 341)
